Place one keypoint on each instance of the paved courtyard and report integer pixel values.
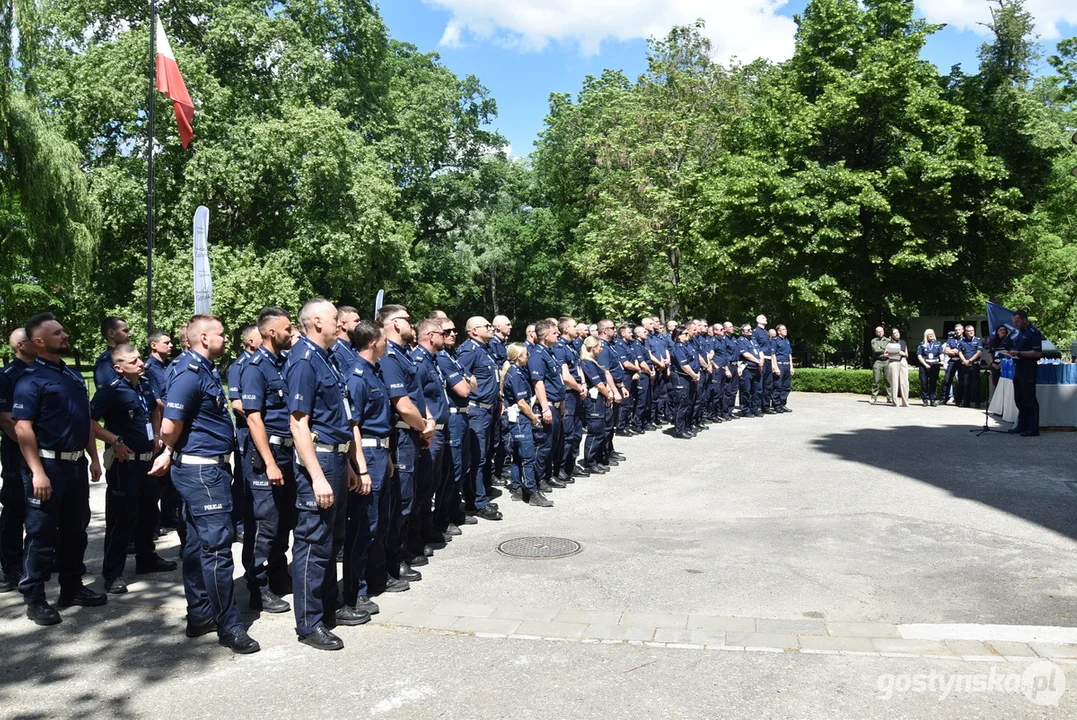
(804, 565)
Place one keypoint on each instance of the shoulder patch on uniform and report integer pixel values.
(115, 382)
(256, 359)
(193, 366)
(306, 356)
(358, 371)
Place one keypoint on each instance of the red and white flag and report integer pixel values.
(170, 82)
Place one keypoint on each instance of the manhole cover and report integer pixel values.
(539, 547)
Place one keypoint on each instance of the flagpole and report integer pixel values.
(149, 155)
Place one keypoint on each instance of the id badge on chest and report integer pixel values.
(149, 431)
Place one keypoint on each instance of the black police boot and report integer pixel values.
(322, 639)
(408, 574)
(239, 642)
(580, 471)
(452, 530)
(115, 586)
(365, 604)
(517, 494)
(555, 483)
(617, 456)
(596, 469)
(42, 613)
(537, 499)
(395, 585)
(153, 564)
(418, 561)
(269, 601)
(469, 519)
(9, 583)
(488, 513)
(198, 628)
(543, 487)
(83, 596)
(351, 616)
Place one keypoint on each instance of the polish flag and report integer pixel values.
(170, 82)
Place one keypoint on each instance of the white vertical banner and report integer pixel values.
(203, 281)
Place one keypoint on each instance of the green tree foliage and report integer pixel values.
(850, 186)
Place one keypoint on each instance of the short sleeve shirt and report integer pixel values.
(476, 360)
(516, 386)
(317, 390)
(432, 383)
(542, 366)
(401, 376)
(453, 374)
(10, 455)
(265, 391)
(235, 384)
(55, 400)
(369, 398)
(126, 410)
(196, 398)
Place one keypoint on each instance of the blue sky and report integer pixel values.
(523, 50)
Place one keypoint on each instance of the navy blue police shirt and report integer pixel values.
(103, 372)
(607, 358)
(235, 385)
(157, 374)
(623, 354)
(954, 343)
(683, 355)
(265, 391)
(971, 346)
(10, 455)
(475, 359)
(343, 356)
(433, 384)
(748, 346)
(542, 365)
(453, 374)
(783, 349)
(196, 398)
(1028, 339)
(370, 399)
(317, 390)
(498, 351)
(592, 373)
(516, 388)
(567, 356)
(55, 400)
(762, 340)
(931, 352)
(126, 410)
(401, 376)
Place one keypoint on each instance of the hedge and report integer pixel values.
(835, 380)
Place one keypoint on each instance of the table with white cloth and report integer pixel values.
(1056, 390)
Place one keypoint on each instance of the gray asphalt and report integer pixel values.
(840, 511)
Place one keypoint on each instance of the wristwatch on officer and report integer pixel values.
(119, 441)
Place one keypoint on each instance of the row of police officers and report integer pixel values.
(364, 443)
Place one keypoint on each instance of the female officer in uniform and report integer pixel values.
(682, 376)
(516, 394)
(929, 356)
(598, 398)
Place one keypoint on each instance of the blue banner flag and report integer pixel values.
(998, 315)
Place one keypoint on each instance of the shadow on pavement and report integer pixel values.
(1031, 478)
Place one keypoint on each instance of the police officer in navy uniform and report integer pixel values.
(430, 340)
(132, 416)
(449, 504)
(369, 514)
(502, 433)
(12, 495)
(609, 360)
(157, 363)
(51, 410)
(575, 416)
(548, 385)
(341, 353)
(753, 359)
(199, 439)
(115, 332)
(251, 341)
(414, 428)
(767, 370)
(684, 375)
(658, 354)
(599, 396)
(952, 376)
(267, 465)
(516, 391)
(969, 352)
(783, 358)
(328, 468)
(732, 370)
(1027, 350)
(475, 359)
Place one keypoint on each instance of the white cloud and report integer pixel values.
(746, 29)
(966, 14)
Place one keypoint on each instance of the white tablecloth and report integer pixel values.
(1058, 403)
